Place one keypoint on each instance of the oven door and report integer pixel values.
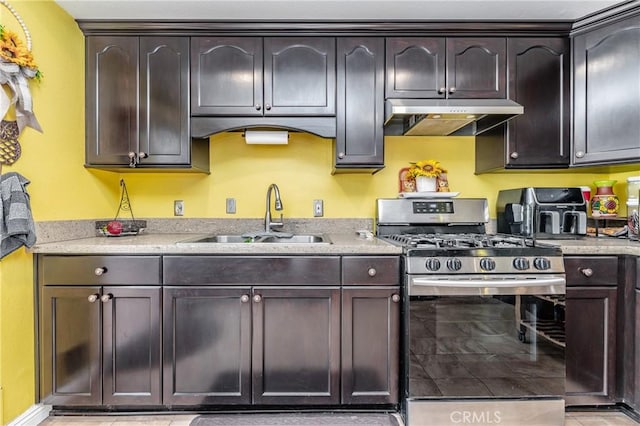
(485, 349)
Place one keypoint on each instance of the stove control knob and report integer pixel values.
(541, 263)
(454, 264)
(521, 263)
(432, 264)
(487, 264)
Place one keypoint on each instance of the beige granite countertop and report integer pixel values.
(165, 236)
(599, 245)
(172, 244)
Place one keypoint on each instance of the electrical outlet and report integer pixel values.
(178, 208)
(231, 205)
(318, 208)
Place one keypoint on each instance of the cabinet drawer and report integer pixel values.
(591, 270)
(100, 270)
(370, 270)
(235, 270)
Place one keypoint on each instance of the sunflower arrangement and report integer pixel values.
(14, 50)
(17, 67)
(428, 168)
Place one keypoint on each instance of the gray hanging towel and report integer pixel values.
(16, 222)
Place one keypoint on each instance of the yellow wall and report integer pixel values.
(61, 188)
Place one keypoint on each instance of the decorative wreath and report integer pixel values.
(17, 66)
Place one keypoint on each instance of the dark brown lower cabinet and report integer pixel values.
(591, 345)
(100, 346)
(207, 344)
(296, 345)
(243, 345)
(370, 345)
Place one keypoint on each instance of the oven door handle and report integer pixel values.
(422, 286)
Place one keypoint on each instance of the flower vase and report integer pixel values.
(425, 184)
(604, 203)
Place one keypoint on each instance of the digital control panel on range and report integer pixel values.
(432, 207)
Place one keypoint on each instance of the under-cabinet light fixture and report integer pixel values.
(266, 137)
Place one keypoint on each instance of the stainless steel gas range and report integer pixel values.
(483, 317)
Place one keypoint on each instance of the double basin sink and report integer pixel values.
(261, 238)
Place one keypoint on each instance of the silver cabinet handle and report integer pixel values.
(106, 297)
(258, 107)
(267, 107)
(93, 297)
(587, 272)
(452, 90)
(579, 154)
(395, 298)
(372, 272)
(244, 298)
(257, 298)
(132, 159)
(442, 90)
(143, 155)
(99, 271)
(514, 155)
(341, 155)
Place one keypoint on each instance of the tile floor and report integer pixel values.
(585, 418)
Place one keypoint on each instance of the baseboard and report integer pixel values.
(33, 416)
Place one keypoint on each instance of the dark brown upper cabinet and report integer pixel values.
(539, 77)
(439, 67)
(137, 102)
(254, 76)
(606, 100)
(359, 143)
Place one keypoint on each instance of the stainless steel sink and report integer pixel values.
(261, 239)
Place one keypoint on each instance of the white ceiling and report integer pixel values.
(329, 10)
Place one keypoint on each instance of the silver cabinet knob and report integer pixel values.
(258, 107)
(244, 298)
(442, 90)
(452, 90)
(132, 159)
(372, 272)
(101, 270)
(93, 297)
(132, 154)
(267, 107)
(587, 272)
(106, 297)
(395, 298)
(514, 155)
(579, 154)
(143, 155)
(341, 155)
(257, 298)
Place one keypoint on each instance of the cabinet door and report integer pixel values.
(415, 67)
(296, 345)
(226, 75)
(164, 101)
(590, 323)
(111, 99)
(131, 346)
(360, 135)
(539, 80)
(207, 352)
(299, 76)
(70, 333)
(370, 345)
(606, 99)
(476, 67)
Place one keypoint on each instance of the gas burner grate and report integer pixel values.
(448, 241)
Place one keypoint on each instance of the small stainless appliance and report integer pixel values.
(483, 317)
(546, 213)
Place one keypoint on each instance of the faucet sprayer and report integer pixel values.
(269, 225)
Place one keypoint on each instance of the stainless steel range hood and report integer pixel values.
(441, 117)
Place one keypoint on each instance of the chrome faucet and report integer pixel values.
(269, 225)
